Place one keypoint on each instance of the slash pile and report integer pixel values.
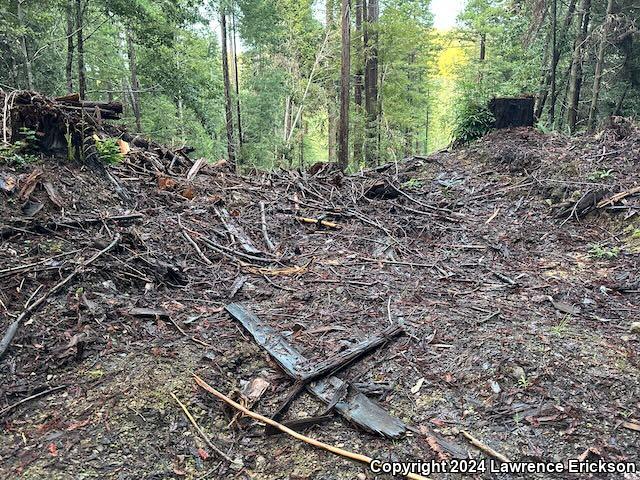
(511, 265)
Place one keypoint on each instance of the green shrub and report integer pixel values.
(473, 120)
(19, 153)
(600, 175)
(109, 151)
(600, 252)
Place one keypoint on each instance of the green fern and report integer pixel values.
(473, 121)
(109, 151)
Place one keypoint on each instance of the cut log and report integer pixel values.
(112, 106)
(512, 111)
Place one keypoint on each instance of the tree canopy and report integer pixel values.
(411, 86)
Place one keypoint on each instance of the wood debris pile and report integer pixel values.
(140, 266)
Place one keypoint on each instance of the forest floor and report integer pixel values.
(518, 308)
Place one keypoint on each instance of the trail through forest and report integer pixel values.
(511, 265)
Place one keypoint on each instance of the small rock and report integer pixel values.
(518, 372)
(416, 388)
(237, 464)
(635, 327)
(495, 386)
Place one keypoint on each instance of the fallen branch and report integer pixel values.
(311, 441)
(193, 243)
(265, 233)
(343, 359)
(31, 397)
(319, 223)
(617, 197)
(485, 448)
(30, 310)
(8, 231)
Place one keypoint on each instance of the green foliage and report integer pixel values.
(109, 151)
(603, 253)
(19, 153)
(473, 120)
(407, 52)
(412, 183)
(430, 83)
(524, 382)
(561, 329)
(600, 175)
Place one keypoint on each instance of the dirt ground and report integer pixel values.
(518, 310)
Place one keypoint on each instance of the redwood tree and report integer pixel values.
(371, 82)
(227, 89)
(345, 72)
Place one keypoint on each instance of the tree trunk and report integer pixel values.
(483, 47)
(82, 73)
(543, 89)
(618, 110)
(13, 71)
(135, 84)
(627, 68)
(381, 77)
(563, 103)
(28, 70)
(345, 72)
(426, 124)
(227, 90)
(237, 81)
(302, 132)
(593, 110)
(69, 65)
(554, 56)
(358, 142)
(575, 78)
(181, 117)
(287, 119)
(546, 81)
(332, 129)
(371, 82)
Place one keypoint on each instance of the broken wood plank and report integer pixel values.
(235, 231)
(195, 168)
(346, 357)
(355, 407)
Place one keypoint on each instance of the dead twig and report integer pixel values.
(200, 431)
(193, 243)
(311, 441)
(265, 233)
(31, 397)
(485, 448)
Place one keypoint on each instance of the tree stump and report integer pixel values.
(512, 111)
